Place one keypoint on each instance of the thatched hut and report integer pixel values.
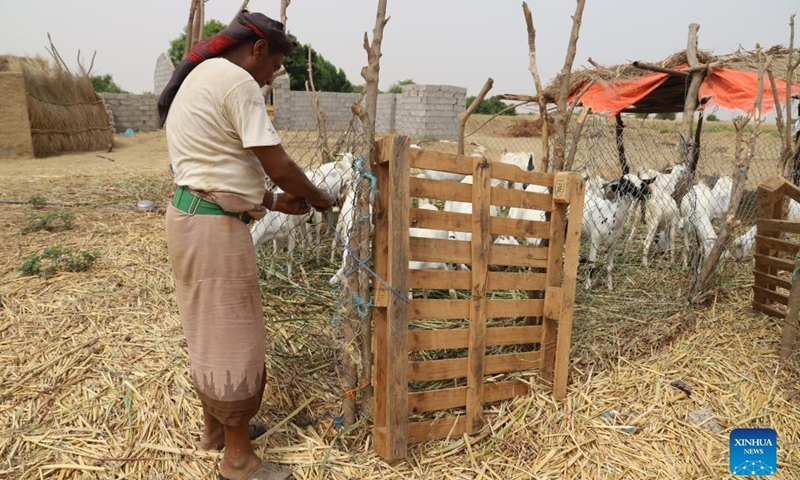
(48, 111)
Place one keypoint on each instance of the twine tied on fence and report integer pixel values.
(796, 269)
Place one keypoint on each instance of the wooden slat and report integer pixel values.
(450, 309)
(433, 400)
(453, 427)
(778, 244)
(787, 226)
(439, 190)
(519, 228)
(508, 197)
(772, 295)
(764, 280)
(380, 254)
(435, 250)
(516, 281)
(772, 312)
(462, 222)
(518, 256)
(791, 190)
(513, 173)
(765, 264)
(419, 340)
(554, 303)
(481, 241)
(391, 438)
(574, 195)
(558, 224)
(439, 161)
(452, 368)
(447, 221)
(769, 202)
(433, 279)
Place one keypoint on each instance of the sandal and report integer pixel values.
(265, 471)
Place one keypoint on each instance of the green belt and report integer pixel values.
(185, 201)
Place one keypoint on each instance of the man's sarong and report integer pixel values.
(219, 301)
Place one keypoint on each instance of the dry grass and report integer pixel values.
(94, 373)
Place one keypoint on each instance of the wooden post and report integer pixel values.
(690, 102)
(572, 197)
(553, 294)
(537, 81)
(623, 160)
(791, 326)
(464, 116)
(390, 382)
(481, 242)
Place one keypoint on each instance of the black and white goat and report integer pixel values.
(603, 219)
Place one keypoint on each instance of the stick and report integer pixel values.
(462, 118)
(284, 6)
(537, 81)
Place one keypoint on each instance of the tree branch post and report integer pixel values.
(319, 114)
(690, 102)
(284, 6)
(562, 119)
(464, 116)
(739, 179)
(537, 80)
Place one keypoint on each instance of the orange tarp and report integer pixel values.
(728, 89)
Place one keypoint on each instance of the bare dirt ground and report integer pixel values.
(94, 372)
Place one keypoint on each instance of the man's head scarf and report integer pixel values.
(247, 26)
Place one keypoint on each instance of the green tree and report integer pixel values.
(327, 78)
(397, 87)
(491, 106)
(665, 116)
(105, 84)
(712, 118)
(178, 45)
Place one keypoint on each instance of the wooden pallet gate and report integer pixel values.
(776, 258)
(548, 274)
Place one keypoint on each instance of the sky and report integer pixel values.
(448, 42)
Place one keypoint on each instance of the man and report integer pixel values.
(221, 145)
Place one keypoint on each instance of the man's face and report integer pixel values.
(264, 65)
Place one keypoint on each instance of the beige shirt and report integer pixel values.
(217, 115)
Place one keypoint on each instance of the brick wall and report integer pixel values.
(138, 112)
(162, 73)
(427, 111)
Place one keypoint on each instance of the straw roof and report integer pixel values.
(65, 112)
(94, 372)
(670, 96)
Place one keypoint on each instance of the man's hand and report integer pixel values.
(323, 202)
(290, 204)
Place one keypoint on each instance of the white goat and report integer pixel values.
(603, 219)
(464, 207)
(699, 207)
(431, 234)
(742, 245)
(343, 226)
(662, 210)
(278, 227)
(522, 160)
(518, 213)
(329, 177)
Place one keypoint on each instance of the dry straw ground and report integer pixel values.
(93, 367)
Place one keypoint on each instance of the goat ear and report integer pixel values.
(530, 163)
(649, 181)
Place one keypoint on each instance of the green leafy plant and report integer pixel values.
(50, 221)
(397, 87)
(37, 201)
(491, 106)
(105, 84)
(57, 259)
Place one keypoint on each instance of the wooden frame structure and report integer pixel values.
(548, 274)
(773, 270)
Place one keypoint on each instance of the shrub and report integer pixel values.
(57, 258)
(712, 118)
(51, 221)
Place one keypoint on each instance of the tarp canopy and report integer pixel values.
(662, 92)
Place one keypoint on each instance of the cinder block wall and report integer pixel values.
(427, 111)
(138, 112)
(162, 73)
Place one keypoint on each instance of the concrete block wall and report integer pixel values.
(138, 112)
(162, 73)
(428, 111)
